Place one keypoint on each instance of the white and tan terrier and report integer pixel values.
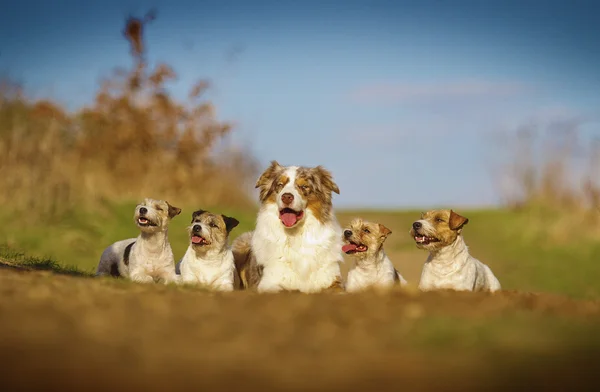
(147, 258)
(208, 261)
(449, 265)
(373, 269)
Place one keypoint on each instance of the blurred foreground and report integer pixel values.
(76, 333)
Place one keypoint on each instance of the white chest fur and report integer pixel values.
(213, 271)
(305, 258)
(376, 273)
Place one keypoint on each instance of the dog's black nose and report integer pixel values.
(143, 210)
(417, 225)
(196, 228)
(347, 233)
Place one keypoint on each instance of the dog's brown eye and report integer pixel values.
(366, 230)
(213, 225)
(439, 220)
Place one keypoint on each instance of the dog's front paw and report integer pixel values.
(336, 287)
(142, 279)
(266, 287)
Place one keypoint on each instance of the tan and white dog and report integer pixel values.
(373, 269)
(296, 245)
(147, 258)
(208, 260)
(449, 265)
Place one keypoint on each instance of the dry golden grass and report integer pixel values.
(555, 179)
(134, 140)
(71, 334)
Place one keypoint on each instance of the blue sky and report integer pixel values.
(401, 100)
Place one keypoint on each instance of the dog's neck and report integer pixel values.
(370, 261)
(213, 255)
(155, 242)
(451, 254)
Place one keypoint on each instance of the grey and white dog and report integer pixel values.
(147, 258)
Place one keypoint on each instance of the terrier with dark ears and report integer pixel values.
(208, 261)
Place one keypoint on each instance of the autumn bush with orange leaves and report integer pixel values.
(135, 140)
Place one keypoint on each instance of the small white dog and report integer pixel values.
(208, 260)
(296, 245)
(147, 258)
(373, 269)
(449, 265)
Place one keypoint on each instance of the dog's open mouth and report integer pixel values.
(199, 240)
(351, 248)
(290, 217)
(424, 240)
(143, 221)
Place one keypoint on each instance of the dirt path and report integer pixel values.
(90, 334)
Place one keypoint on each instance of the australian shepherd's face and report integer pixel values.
(297, 191)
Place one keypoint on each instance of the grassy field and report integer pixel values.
(63, 329)
(517, 245)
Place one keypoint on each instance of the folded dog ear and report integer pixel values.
(230, 223)
(266, 180)
(325, 179)
(173, 211)
(196, 214)
(384, 231)
(456, 221)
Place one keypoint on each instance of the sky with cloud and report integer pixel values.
(399, 99)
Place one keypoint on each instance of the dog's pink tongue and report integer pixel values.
(289, 219)
(348, 248)
(196, 239)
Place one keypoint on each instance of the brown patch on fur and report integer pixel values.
(372, 235)
(267, 181)
(245, 262)
(196, 214)
(173, 211)
(237, 281)
(384, 230)
(316, 185)
(456, 221)
(336, 287)
(447, 227)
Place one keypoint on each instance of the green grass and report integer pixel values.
(79, 237)
(515, 244)
(11, 258)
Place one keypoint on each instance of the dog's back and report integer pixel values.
(112, 256)
(246, 267)
(486, 280)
